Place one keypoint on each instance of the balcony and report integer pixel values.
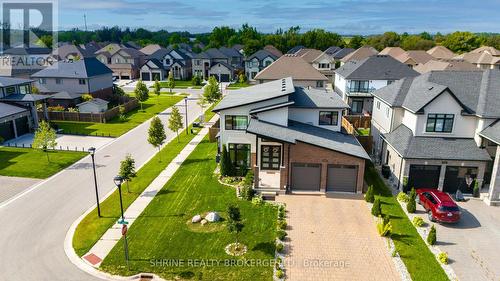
(359, 92)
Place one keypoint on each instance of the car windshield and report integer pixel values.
(448, 208)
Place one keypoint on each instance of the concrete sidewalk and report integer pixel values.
(104, 246)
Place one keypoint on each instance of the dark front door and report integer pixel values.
(270, 158)
(306, 177)
(7, 130)
(462, 178)
(342, 178)
(22, 126)
(423, 176)
(156, 76)
(146, 76)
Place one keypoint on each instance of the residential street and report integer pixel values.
(34, 226)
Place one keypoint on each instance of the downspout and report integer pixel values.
(400, 173)
(289, 170)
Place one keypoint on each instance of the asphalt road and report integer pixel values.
(33, 227)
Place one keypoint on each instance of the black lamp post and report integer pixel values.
(118, 182)
(92, 154)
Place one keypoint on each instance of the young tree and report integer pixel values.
(157, 89)
(234, 224)
(45, 138)
(212, 92)
(87, 97)
(242, 78)
(226, 166)
(369, 196)
(411, 207)
(127, 169)
(141, 92)
(171, 81)
(156, 133)
(431, 237)
(376, 208)
(196, 80)
(175, 121)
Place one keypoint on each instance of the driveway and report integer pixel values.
(65, 142)
(473, 245)
(334, 238)
(10, 186)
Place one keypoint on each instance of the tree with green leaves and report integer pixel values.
(211, 92)
(157, 89)
(369, 196)
(242, 78)
(411, 207)
(175, 121)
(461, 42)
(226, 165)
(376, 208)
(196, 80)
(432, 237)
(156, 134)
(45, 138)
(141, 92)
(127, 169)
(234, 224)
(356, 42)
(171, 80)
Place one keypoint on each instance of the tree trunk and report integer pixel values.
(178, 140)
(141, 105)
(47, 153)
(128, 190)
(159, 152)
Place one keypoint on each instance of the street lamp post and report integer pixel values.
(92, 154)
(118, 182)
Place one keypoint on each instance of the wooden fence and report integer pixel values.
(348, 127)
(365, 141)
(213, 131)
(359, 121)
(89, 117)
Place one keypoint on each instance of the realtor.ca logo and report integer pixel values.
(28, 34)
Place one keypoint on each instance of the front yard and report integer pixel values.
(180, 84)
(116, 127)
(163, 241)
(32, 163)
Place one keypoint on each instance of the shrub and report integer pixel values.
(55, 108)
(443, 257)
(257, 200)
(281, 212)
(369, 197)
(86, 97)
(376, 209)
(282, 224)
(196, 80)
(248, 180)
(418, 221)
(1, 139)
(431, 237)
(247, 192)
(281, 234)
(277, 265)
(384, 226)
(279, 247)
(403, 197)
(411, 207)
(280, 274)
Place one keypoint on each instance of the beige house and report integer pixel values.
(414, 58)
(125, 62)
(483, 57)
(439, 65)
(440, 52)
(360, 54)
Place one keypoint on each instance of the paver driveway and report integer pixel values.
(334, 238)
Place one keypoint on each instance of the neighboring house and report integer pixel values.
(440, 130)
(483, 58)
(291, 138)
(72, 52)
(85, 76)
(355, 81)
(273, 50)
(329, 60)
(150, 49)
(18, 107)
(414, 58)
(95, 105)
(440, 52)
(359, 54)
(486, 49)
(258, 61)
(452, 65)
(65, 99)
(123, 61)
(223, 71)
(392, 51)
(203, 62)
(20, 62)
(234, 55)
(163, 60)
(294, 50)
(303, 73)
(152, 70)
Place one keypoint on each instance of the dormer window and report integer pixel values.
(329, 118)
(439, 123)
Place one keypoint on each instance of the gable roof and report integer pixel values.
(65, 96)
(230, 52)
(315, 98)
(441, 52)
(360, 54)
(65, 50)
(419, 57)
(290, 66)
(392, 51)
(150, 49)
(7, 110)
(156, 63)
(261, 55)
(96, 101)
(311, 55)
(443, 64)
(342, 53)
(211, 53)
(492, 132)
(332, 50)
(295, 49)
(225, 64)
(8, 81)
(273, 50)
(487, 49)
(479, 58)
(379, 67)
(84, 68)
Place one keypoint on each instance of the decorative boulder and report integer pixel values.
(212, 216)
(196, 219)
(203, 221)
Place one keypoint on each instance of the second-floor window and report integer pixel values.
(236, 122)
(358, 86)
(42, 81)
(81, 81)
(10, 90)
(439, 123)
(324, 65)
(59, 81)
(329, 118)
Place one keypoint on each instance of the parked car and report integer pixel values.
(439, 205)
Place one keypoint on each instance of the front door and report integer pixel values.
(270, 157)
(462, 178)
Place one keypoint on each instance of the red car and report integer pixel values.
(438, 205)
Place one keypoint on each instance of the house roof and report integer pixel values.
(63, 51)
(8, 81)
(257, 93)
(65, 96)
(418, 56)
(479, 58)
(342, 53)
(225, 64)
(156, 62)
(230, 52)
(476, 91)
(211, 53)
(9, 109)
(379, 67)
(360, 54)
(84, 68)
(295, 49)
(261, 55)
(311, 55)
(492, 132)
(392, 51)
(150, 49)
(442, 64)
(27, 51)
(409, 146)
(96, 101)
(131, 52)
(491, 50)
(25, 97)
(441, 52)
(315, 98)
(332, 50)
(290, 66)
(273, 50)
(301, 132)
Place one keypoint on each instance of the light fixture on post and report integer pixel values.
(91, 150)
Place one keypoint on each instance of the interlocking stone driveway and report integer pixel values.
(334, 238)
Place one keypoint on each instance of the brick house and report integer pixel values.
(292, 138)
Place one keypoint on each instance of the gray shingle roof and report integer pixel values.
(261, 55)
(65, 96)
(492, 132)
(342, 53)
(26, 97)
(296, 131)
(230, 52)
(8, 110)
(332, 50)
(212, 53)
(7, 81)
(84, 68)
(411, 147)
(379, 67)
(97, 101)
(315, 98)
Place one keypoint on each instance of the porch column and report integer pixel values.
(442, 175)
(494, 192)
(45, 111)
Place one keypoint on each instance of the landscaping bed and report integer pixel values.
(238, 85)
(32, 163)
(180, 85)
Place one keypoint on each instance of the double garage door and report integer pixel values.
(339, 178)
(7, 128)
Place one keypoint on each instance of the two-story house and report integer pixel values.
(329, 60)
(71, 52)
(291, 137)
(355, 81)
(84, 76)
(258, 61)
(204, 61)
(440, 130)
(484, 57)
(125, 62)
(163, 60)
(359, 54)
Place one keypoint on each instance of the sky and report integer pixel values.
(342, 16)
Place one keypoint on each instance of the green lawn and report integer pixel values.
(420, 262)
(115, 127)
(32, 163)
(164, 232)
(92, 228)
(238, 85)
(180, 84)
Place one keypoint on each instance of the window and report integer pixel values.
(357, 106)
(324, 65)
(442, 123)
(267, 63)
(359, 86)
(239, 154)
(387, 111)
(236, 122)
(42, 81)
(59, 81)
(10, 90)
(389, 82)
(329, 118)
(167, 61)
(24, 89)
(270, 157)
(319, 84)
(378, 104)
(81, 81)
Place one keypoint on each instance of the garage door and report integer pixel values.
(22, 126)
(224, 77)
(146, 76)
(463, 178)
(7, 130)
(306, 177)
(423, 176)
(342, 178)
